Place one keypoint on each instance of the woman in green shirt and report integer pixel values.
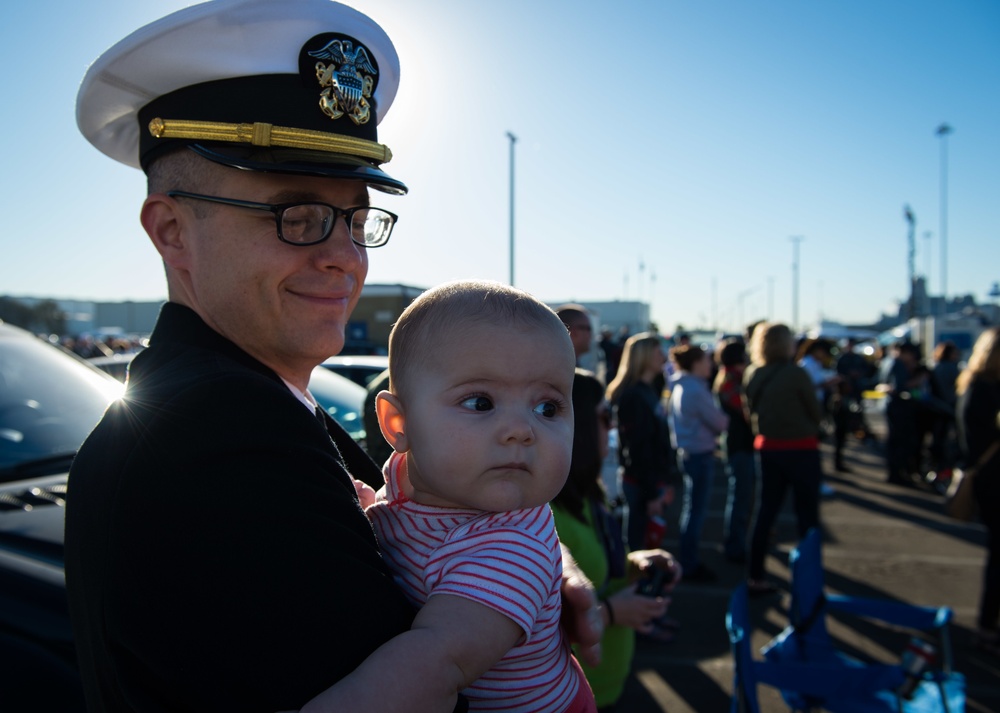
(594, 538)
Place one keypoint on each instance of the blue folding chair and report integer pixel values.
(860, 686)
(816, 681)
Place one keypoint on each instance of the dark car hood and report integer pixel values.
(31, 525)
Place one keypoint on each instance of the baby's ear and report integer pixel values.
(391, 420)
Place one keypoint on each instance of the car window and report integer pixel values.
(49, 400)
(341, 398)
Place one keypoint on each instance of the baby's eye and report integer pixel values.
(478, 403)
(547, 409)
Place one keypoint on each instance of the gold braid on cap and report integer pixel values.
(260, 134)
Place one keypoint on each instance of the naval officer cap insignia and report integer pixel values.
(296, 86)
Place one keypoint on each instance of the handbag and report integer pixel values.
(960, 501)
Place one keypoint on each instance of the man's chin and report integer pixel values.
(324, 341)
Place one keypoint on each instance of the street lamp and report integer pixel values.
(943, 130)
(513, 140)
(770, 298)
(796, 239)
(739, 303)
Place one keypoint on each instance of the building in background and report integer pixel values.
(381, 304)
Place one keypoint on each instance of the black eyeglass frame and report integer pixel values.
(278, 210)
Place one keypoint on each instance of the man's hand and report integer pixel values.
(581, 616)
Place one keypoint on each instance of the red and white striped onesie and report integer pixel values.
(508, 561)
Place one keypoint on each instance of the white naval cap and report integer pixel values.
(291, 86)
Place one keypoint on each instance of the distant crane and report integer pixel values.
(912, 223)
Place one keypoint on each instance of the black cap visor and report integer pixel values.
(300, 162)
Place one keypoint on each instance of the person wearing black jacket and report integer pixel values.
(978, 389)
(645, 455)
(737, 449)
(204, 510)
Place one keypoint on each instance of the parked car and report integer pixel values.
(359, 369)
(50, 399)
(343, 399)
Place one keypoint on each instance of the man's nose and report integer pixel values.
(339, 249)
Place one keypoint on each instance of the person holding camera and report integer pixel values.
(631, 585)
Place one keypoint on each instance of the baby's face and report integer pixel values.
(489, 418)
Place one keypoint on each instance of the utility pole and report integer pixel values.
(796, 239)
(513, 140)
(943, 130)
(740, 297)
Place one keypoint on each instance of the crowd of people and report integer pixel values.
(776, 398)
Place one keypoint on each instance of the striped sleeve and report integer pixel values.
(507, 562)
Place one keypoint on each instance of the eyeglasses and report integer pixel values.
(309, 223)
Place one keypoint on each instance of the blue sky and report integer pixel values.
(667, 151)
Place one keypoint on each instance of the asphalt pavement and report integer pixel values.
(880, 540)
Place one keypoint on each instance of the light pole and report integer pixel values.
(715, 303)
(739, 304)
(911, 222)
(943, 130)
(513, 140)
(796, 239)
(652, 291)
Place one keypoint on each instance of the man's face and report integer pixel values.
(489, 418)
(286, 305)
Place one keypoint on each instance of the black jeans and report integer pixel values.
(781, 471)
(901, 444)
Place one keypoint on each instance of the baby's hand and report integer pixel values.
(366, 494)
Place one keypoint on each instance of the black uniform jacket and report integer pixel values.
(216, 555)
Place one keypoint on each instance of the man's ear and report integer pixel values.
(391, 420)
(164, 222)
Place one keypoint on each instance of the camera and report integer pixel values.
(653, 584)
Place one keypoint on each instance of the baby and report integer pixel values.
(479, 415)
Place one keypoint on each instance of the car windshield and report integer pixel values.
(49, 400)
